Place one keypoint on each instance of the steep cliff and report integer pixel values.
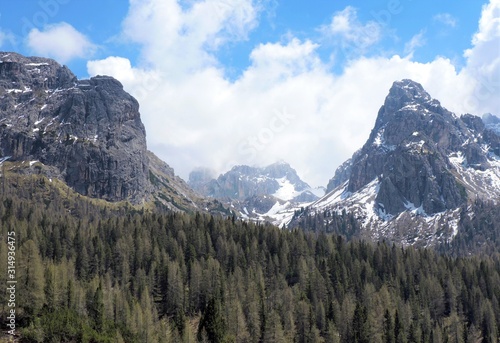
(87, 133)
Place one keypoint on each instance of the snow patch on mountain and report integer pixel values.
(286, 190)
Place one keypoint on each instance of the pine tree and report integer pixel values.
(49, 289)
(30, 281)
(399, 332)
(273, 331)
(359, 328)
(388, 328)
(95, 308)
(212, 322)
(70, 293)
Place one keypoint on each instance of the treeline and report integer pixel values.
(328, 221)
(478, 228)
(171, 277)
(478, 234)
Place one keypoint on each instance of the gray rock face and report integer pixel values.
(408, 152)
(342, 174)
(90, 130)
(200, 178)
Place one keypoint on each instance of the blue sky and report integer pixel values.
(213, 77)
(446, 27)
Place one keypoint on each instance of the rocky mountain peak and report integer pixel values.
(269, 193)
(280, 170)
(406, 97)
(88, 132)
(419, 160)
(489, 118)
(410, 120)
(243, 181)
(491, 122)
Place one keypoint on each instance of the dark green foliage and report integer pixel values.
(344, 224)
(212, 322)
(128, 275)
(360, 333)
(388, 328)
(95, 309)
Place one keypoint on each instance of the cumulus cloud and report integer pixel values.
(60, 41)
(286, 105)
(349, 33)
(483, 62)
(181, 40)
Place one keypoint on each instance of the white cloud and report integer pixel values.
(275, 62)
(286, 105)
(3, 37)
(446, 19)
(349, 33)
(181, 40)
(60, 41)
(483, 61)
(415, 42)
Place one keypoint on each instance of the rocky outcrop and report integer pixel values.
(342, 174)
(90, 130)
(265, 194)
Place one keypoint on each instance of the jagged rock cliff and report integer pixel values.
(88, 133)
(420, 164)
(89, 130)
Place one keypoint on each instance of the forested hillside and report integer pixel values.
(478, 228)
(88, 273)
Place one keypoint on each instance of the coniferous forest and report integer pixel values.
(88, 272)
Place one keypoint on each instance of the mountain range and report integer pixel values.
(413, 182)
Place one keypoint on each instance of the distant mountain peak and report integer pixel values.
(489, 118)
(269, 193)
(244, 181)
(491, 122)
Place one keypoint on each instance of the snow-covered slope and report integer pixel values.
(271, 193)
